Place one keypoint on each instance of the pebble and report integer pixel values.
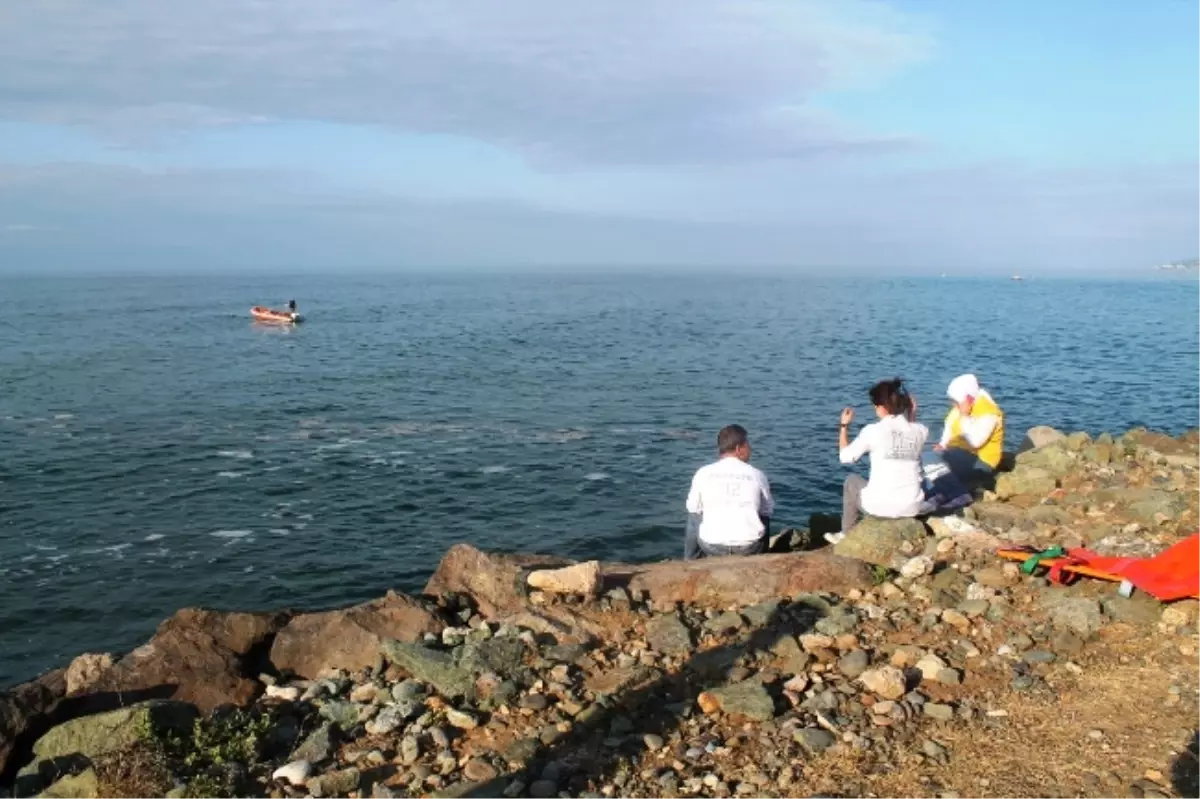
(956, 620)
(461, 719)
(535, 702)
(288, 693)
(854, 663)
(364, 693)
(814, 739)
(929, 666)
(1039, 656)
(478, 770)
(410, 750)
(939, 712)
(887, 681)
(653, 742)
(388, 720)
(439, 737)
(295, 773)
(543, 789)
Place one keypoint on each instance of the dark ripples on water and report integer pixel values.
(160, 451)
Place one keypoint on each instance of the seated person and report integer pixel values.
(894, 490)
(972, 441)
(291, 306)
(729, 505)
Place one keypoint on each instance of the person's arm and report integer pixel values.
(912, 408)
(694, 503)
(766, 503)
(947, 426)
(850, 452)
(977, 430)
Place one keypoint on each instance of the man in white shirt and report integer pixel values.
(729, 505)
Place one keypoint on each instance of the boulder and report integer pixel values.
(582, 578)
(26, 712)
(883, 542)
(83, 785)
(1055, 460)
(86, 670)
(723, 582)
(497, 584)
(349, 638)
(1025, 480)
(101, 733)
(431, 666)
(1040, 436)
(205, 657)
(1077, 441)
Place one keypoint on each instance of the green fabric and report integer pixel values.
(1028, 566)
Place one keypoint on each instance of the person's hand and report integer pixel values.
(913, 399)
(938, 448)
(847, 416)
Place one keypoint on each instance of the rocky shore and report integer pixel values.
(907, 660)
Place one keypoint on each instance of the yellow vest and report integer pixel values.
(992, 449)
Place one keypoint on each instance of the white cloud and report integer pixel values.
(623, 82)
(961, 221)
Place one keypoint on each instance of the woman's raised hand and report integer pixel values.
(847, 416)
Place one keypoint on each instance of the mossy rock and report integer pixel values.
(93, 736)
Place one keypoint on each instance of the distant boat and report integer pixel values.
(263, 314)
(1017, 277)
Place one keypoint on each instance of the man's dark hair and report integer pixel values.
(730, 438)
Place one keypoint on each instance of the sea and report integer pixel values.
(160, 450)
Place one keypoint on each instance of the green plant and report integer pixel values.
(213, 757)
(881, 574)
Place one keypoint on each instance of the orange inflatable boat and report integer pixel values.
(264, 314)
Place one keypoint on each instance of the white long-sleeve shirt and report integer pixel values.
(975, 429)
(894, 489)
(730, 495)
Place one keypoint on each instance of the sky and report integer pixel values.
(824, 136)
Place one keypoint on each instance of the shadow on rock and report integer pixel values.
(639, 708)
(1185, 770)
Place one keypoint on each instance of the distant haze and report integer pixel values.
(824, 136)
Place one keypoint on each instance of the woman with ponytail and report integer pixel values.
(894, 442)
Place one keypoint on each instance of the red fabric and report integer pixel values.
(1173, 573)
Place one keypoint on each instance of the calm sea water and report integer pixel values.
(157, 450)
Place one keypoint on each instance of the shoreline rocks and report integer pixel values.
(524, 675)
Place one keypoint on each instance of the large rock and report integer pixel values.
(1144, 504)
(1040, 436)
(205, 657)
(1025, 480)
(722, 582)
(26, 712)
(883, 542)
(86, 670)
(349, 638)
(1055, 460)
(497, 581)
(431, 666)
(582, 578)
(99, 734)
(77, 786)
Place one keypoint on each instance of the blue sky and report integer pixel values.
(808, 135)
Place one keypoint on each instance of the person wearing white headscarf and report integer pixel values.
(972, 441)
